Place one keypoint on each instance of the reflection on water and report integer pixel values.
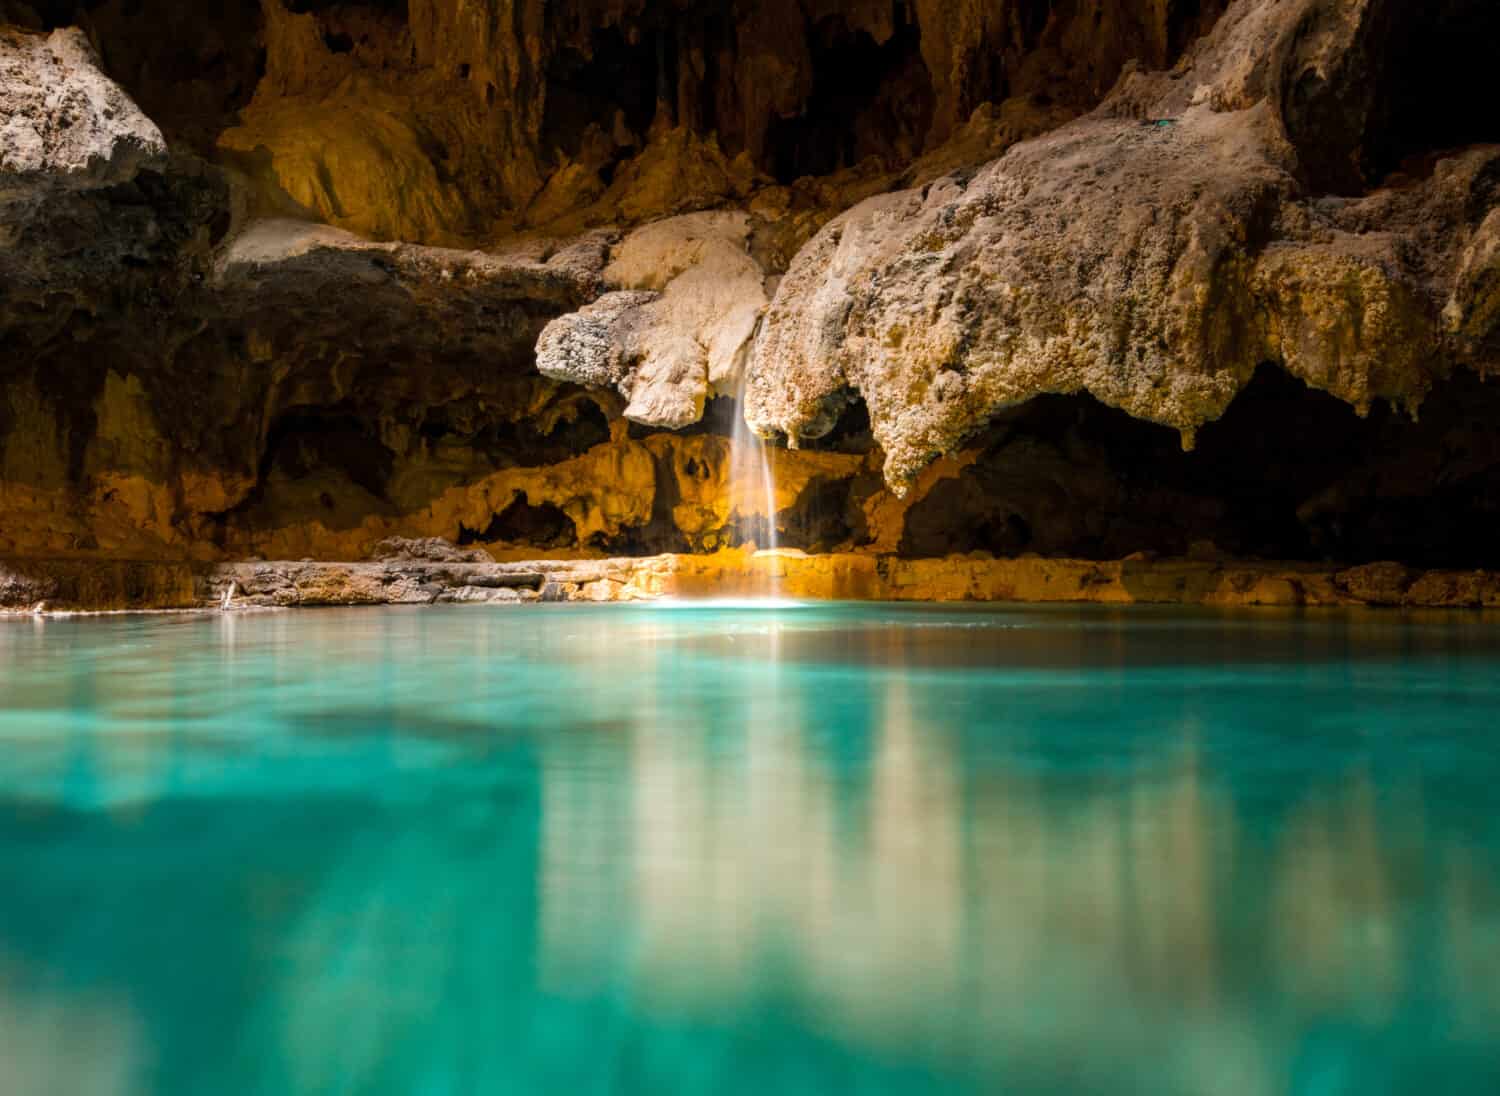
(869, 849)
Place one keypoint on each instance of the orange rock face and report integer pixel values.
(286, 280)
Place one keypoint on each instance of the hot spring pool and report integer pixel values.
(835, 849)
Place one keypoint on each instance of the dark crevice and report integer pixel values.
(1066, 476)
(1436, 88)
(825, 516)
(310, 440)
(660, 533)
(868, 99)
(1186, 21)
(587, 91)
(542, 526)
(1413, 86)
(852, 432)
(517, 444)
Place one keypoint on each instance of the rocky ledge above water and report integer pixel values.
(47, 587)
(1078, 280)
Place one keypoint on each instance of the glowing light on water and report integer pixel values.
(710, 603)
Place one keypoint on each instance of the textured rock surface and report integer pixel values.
(1152, 254)
(486, 271)
(29, 587)
(686, 297)
(63, 123)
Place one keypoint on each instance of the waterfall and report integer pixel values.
(752, 484)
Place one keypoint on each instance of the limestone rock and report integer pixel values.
(689, 298)
(63, 123)
(1151, 254)
(427, 549)
(1105, 257)
(252, 343)
(589, 346)
(1472, 313)
(360, 165)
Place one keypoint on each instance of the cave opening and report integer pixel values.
(620, 78)
(852, 431)
(396, 8)
(306, 441)
(519, 443)
(1434, 92)
(824, 517)
(868, 99)
(542, 526)
(1067, 476)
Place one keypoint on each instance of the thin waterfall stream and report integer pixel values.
(752, 483)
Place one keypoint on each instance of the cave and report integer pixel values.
(542, 526)
(339, 270)
(868, 99)
(1433, 94)
(615, 76)
(814, 547)
(1066, 476)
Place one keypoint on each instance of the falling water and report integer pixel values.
(752, 486)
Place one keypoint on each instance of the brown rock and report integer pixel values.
(426, 549)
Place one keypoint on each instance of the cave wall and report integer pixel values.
(286, 278)
(446, 121)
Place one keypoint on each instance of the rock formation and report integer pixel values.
(288, 278)
(1152, 254)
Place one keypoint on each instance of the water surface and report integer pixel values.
(836, 849)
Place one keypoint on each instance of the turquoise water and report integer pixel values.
(873, 850)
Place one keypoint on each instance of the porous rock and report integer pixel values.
(1152, 254)
(687, 299)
